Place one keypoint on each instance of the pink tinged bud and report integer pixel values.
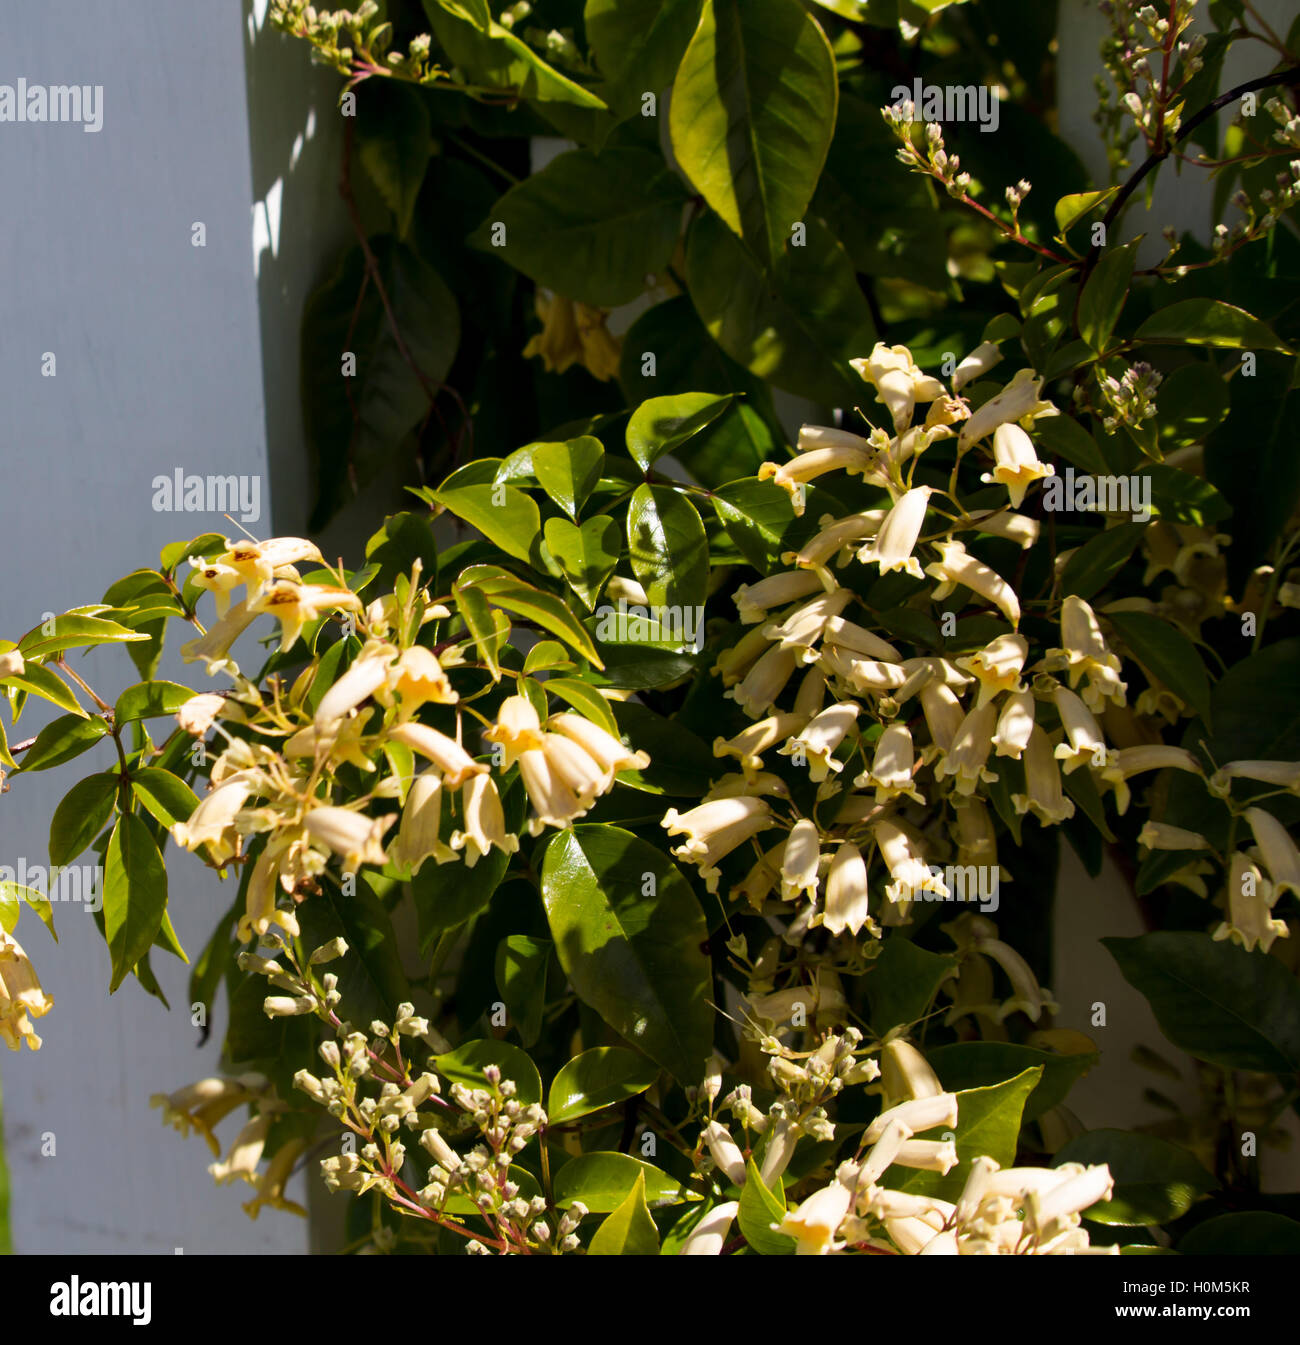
(891, 549)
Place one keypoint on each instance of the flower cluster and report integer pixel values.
(21, 996)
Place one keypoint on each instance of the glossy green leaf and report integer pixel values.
(1247, 1233)
(502, 589)
(504, 514)
(1208, 322)
(1100, 559)
(752, 115)
(489, 628)
(1104, 295)
(592, 227)
(629, 1230)
(681, 762)
(977, 1064)
(521, 964)
(466, 1063)
(62, 739)
(1070, 209)
(903, 981)
(588, 554)
(1155, 1182)
(759, 1209)
(568, 472)
(73, 632)
(1235, 1009)
(638, 45)
(629, 934)
(668, 547)
(599, 1078)
(81, 816)
(135, 894)
(663, 424)
(166, 796)
(585, 699)
(49, 686)
(603, 1181)
(150, 700)
(393, 141)
(1168, 655)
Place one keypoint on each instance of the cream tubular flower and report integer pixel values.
(199, 713)
(957, 566)
(219, 580)
(1123, 765)
(997, 666)
(846, 891)
(203, 1105)
(966, 760)
(1016, 464)
(1044, 795)
(605, 750)
(358, 839)
(1083, 743)
(12, 664)
(814, 462)
(245, 1154)
(214, 647)
(819, 739)
(575, 767)
(418, 679)
(555, 804)
(734, 663)
(1049, 1213)
(943, 715)
(891, 548)
(800, 861)
(263, 888)
(724, 1151)
(838, 537)
(713, 830)
(451, 759)
(858, 641)
(976, 364)
(1027, 995)
(1015, 724)
(1017, 528)
(419, 835)
(257, 562)
(917, 1114)
(928, 1155)
(975, 834)
(765, 681)
(1085, 654)
(21, 996)
(212, 823)
(905, 1073)
(909, 874)
(892, 766)
(709, 1236)
(294, 604)
(1276, 848)
(1162, 836)
(814, 1224)
(805, 626)
(899, 384)
(518, 729)
(749, 744)
(1018, 400)
(1280, 774)
(754, 601)
(1251, 896)
(369, 671)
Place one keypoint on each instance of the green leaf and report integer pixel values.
(629, 1230)
(638, 45)
(1180, 497)
(404, 539)
(1168, 655)
(1100, 559)
(1209, 322)
(150, 700)
(1215, 1001)
(568, 472)
(466, 1063)
(903, 981)
(976, 1064)
(1104, 295)
(662, 424)
(588, 554)
(42, 682)
(629, 934)
(681, 763)
(988, 1122)
(164, 795)
(603, 1181)
(1248, 1233)
(135, 894)
(752, 116)
(592, 227)
(62, 739)
(798, 325)
(1069, 210)
(1155, 1182)
(502, 589)
(504, 514)
(599, 1078)
(393, 140)
(546, 655)
(759, 517)
(356, 423)
(73, 632)
(489, 628)
(668, 547)
(521, 964)
(493, 55)
(81, 816)
(585, 699)
(759, 1210)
